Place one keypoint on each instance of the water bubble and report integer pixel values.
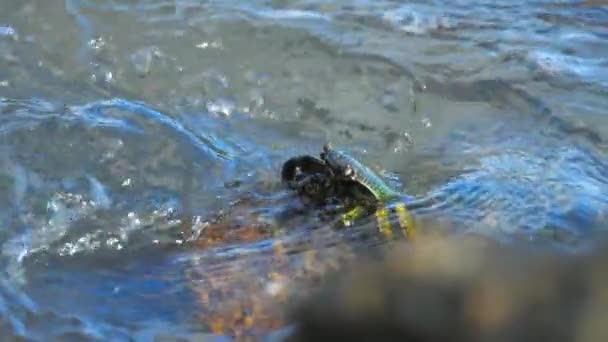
(222, 106)
(269, 114)
(110, 242)
(54, 205)
(256, 78)
(66, 249)
(256, 99)
(202, 45)
(389, 102)
(418, 86)
(413, 21)
(142, 59)
(402, 143)
(212, 83)
(399, 147)
(84, 243)
(426, 122)
(7, 31)
(97, 43)
(215, 78)
(171, 212)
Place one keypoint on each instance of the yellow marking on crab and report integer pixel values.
(383, 223)
(278, 248)
(405, 220)
(349, 217)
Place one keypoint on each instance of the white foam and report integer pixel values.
(99, 193)
(291, 14)
(410, 20)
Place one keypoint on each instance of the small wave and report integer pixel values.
(519, 186)
(206, 144)
(560, 67)
(291, 14)
(64, 211)
(79, 199)
(410, 20)
(558, 64)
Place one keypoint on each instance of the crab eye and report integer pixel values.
(349, 171)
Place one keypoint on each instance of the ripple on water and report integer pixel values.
(69, 197)
(527, 187)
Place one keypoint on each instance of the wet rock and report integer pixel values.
(463, 289)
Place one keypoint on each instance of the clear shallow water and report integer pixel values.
(121, 119)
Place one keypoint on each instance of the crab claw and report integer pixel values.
(297, 167)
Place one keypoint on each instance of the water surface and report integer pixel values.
(120, 120)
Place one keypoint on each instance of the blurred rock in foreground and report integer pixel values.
(463, 289)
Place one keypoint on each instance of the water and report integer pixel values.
(121, 120)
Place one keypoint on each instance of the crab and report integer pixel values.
(334, 176)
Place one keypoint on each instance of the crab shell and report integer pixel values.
(342, 168)
(320, 179)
